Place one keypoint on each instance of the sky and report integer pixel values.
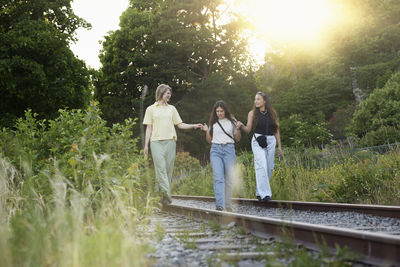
(104, 17)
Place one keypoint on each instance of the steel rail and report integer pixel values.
(378, 210)
(377, 249)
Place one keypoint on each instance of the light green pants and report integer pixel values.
(163, 153)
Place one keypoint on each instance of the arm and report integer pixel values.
(208, 136)
(176, 119)
(205, 128)
(236, 132)
(149, 130)
(249, 125)
(278, 142)
(185, 126)
(237, 136)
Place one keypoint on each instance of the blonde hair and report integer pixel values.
(161, 89)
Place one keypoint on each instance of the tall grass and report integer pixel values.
(68, 229)
(73, 192)
(364, 177)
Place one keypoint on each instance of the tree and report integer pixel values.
(176, 42)
(360, 55)
(301, 82)
(298, 131)
(37, 68)
(371, 45)
(378, 117)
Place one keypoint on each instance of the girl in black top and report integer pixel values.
(263, 120)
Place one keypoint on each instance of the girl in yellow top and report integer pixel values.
(161, 119)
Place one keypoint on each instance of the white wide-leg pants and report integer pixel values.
(263, 164)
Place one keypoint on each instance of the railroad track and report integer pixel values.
(378, 245)
(187, 241)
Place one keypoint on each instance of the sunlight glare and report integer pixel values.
(295, 19)
(290, 19)
(303, 22)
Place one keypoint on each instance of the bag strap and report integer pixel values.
(225, 131)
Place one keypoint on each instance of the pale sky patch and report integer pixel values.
(104, 17)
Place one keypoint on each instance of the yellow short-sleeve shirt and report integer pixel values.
(163, 118)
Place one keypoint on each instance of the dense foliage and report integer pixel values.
(204, 57)
(181, 43)
(300, 131)
(78, 144)
(361, 55)
(37, 68)
(67, 184)
(377, 120)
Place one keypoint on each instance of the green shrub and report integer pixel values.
(380, 110)
(384, 135)
(298, 131)
(185, 165)
(73, 192)
(369, 181)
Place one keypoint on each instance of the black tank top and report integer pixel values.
(265, 125)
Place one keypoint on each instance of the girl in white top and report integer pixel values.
(222, 134)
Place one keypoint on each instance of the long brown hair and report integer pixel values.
(214, 117)
(269, 109)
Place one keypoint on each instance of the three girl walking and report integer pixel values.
(222, 131)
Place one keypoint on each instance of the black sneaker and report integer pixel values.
(165, 201)
(219, 208)
(259, 198)
(266, 199)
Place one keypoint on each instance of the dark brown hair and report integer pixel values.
(269, 109)
(214, 117)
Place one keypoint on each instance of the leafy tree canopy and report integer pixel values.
(37, 68)
(301, 82)
(380, 112)
(175, 42)
(300, 131)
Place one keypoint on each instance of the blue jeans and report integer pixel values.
(223, 157)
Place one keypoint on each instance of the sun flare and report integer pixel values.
(303, 22)
(289, 19)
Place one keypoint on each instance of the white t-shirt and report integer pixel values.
(219, 137)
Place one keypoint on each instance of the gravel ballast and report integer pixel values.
(349, 220)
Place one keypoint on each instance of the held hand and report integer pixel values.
(239, 124)
(204, 127)
(197, 126)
